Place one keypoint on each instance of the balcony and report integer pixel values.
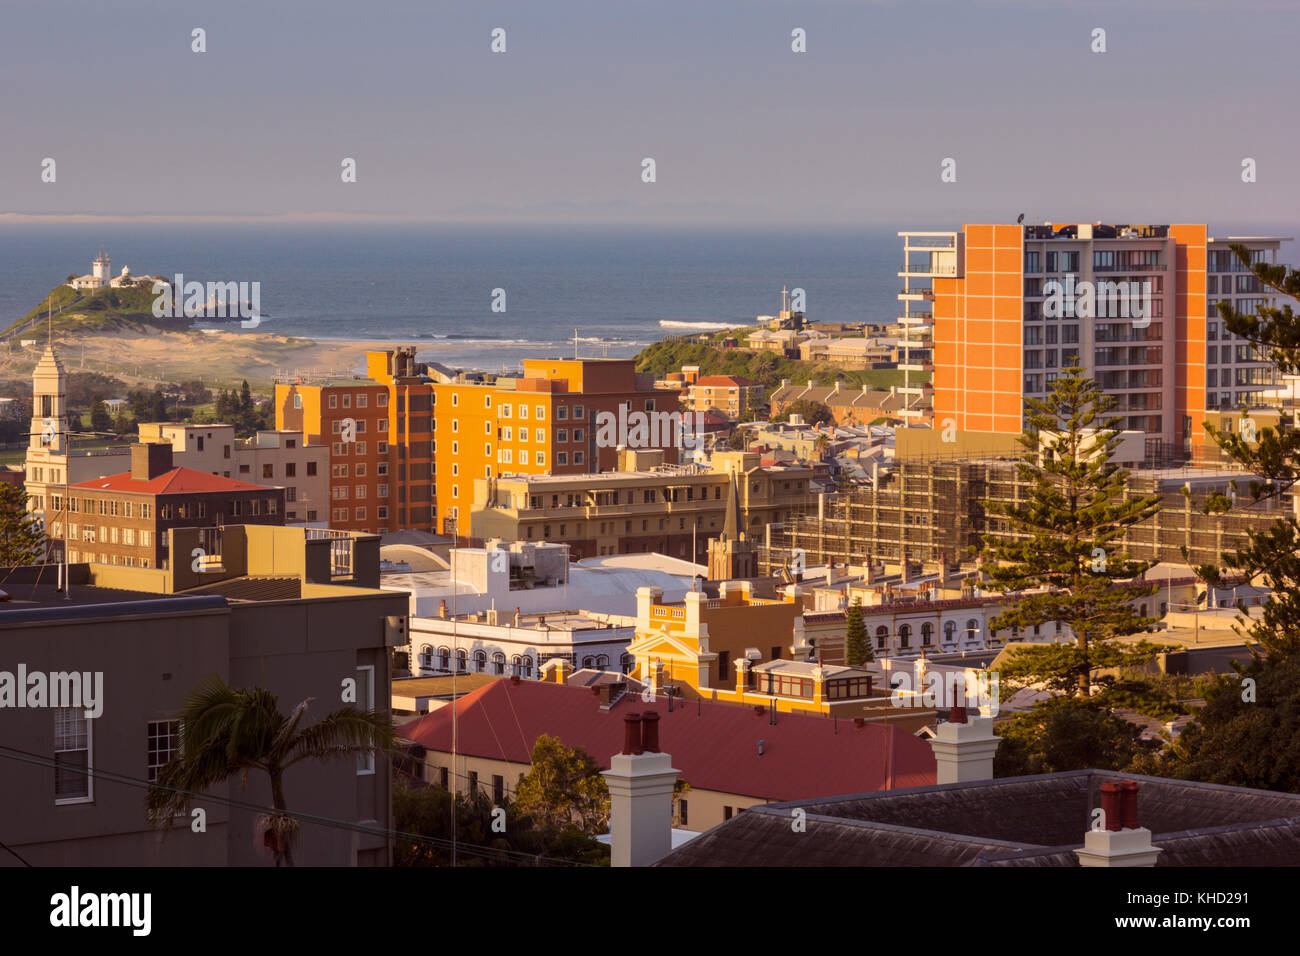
(907, 269)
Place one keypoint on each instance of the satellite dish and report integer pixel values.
(1020, 219)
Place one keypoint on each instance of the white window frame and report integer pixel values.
(90, 760)
(366, 762)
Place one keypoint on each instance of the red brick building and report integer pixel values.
(124, 518)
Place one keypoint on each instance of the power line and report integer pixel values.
(25, 756)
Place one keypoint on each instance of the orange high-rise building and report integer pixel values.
(1133, 304)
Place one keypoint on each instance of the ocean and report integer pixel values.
(619, 287)
(432, 286)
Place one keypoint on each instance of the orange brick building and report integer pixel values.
(380, 433)
(387, 468)
(996, 340)
(544, 423)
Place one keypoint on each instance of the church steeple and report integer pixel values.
(49, 429)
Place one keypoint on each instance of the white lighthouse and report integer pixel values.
(101, 268)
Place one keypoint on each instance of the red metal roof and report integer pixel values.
(178, 481)
(803, 756)
(719, 381)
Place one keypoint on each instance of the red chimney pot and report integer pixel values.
(650, 732)
(859, 722)
(632, 733)
(514, 678)
(957, 715)
(1128, 804)
(1110, 805)
(759, 710)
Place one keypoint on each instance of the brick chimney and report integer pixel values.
(1118, 841)
(640, 781)
(150, 460)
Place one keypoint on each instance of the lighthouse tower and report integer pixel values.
(101, 269)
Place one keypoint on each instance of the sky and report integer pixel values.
(742, 129)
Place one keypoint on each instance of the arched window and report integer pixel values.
(626, 663)
(516, 665)
(426, 657)
(904, 635)
(461, 662)
(444, 658)
(950, 632)
(602, 661)
(927, 633)
(498, 663)
(972, 628)
(882, 637)
(480, 661)
(589, 662)
(527, 665)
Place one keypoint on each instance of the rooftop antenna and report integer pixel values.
(575, 345)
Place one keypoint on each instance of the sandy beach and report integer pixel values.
(218, 358)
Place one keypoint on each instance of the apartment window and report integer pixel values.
(347, 401)
(455, 399)
(577, 434)
(727, 813)
(506, 456)
(540, 457)
(361, 401)
(1032, 261)
(562, 412)
(541, 436)
(164, 743)
(382, 400)
(505, 410)
(297, 401)
(366, 701)
(498, 789)
(562, 458)
(541, 413)
(73, 739)
(507, 433)
(577, 458)
(268, 471)
(523, 456)
(577, 413)
(358, 491)
(311, 516)
(334, 401)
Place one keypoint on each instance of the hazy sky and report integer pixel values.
(742, 129)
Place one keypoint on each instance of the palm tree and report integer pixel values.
(820, 445)
(227, 732)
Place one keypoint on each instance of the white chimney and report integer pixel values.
(964, 748)
(1117, 840)
(640, 781)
